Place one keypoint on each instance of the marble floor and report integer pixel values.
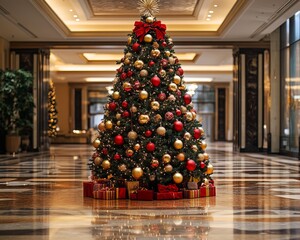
(258, 197)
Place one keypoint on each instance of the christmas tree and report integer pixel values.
(150, 132)
(52, 112)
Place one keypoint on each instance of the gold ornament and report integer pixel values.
(180, 157)
(157, 118)
(116, 95)
(129, 40)
(118, 115)
(127, 61)
(210, 169)
(178, 144)
(177, 178)
(137, 173)
(155, 45)
(173, 87)
(105, 164)
(129, 152)
(189, 116)
(172, 60)
(194, 148)
(176, 79)
(148, 38)
(161, 131)
(200, 157)
(143, 118)
(203, 145)
(162, 73)
(122, 167)
(167, 53)
(183, 109)
(101, 126)
(127, 86)
(187, 136)
(138, 64)
(96, 143)
(194, 115)
(118, 123)
(97, 161)
(155, 105)
(182, 87)
(201, 131)
(206, 156)
(132, 135)
(108, 124)
(168, 168)
(133, 109)
(166, 158)
(155, 53)
(137, 147)
(143, 95)
(128, 55)
(144, 73)
(149, 19)
(154, 163)
(148, 8)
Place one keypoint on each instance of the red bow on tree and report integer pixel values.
(168, 188)
(141, 29)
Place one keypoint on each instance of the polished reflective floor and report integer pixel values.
(258, 197)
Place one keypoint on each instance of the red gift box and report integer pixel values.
(105, 194)
(88, 189)
(191, 193)
(145, 195)
(168, 195)
(207, 190)
(133, 196)
(120, 193)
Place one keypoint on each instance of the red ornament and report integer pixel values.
(123, 76)
(151, 63)
(178, 112)
(187, 98)
(136, 85)
(164, 62)
(136, 47)
(178, 92)
(117, 156)
(129, 73)
(105, 151)
(164, 44)
(178, 126)
(202, 164)
(150, 146)
(179, 71)
(148, 133)
(125, 114)
(120, 69)
(190, 165)
(197, 133)
(119, 140)
(95, 154)
(112, 106)
(155, 81)
(162, 96)
(169, 116)
(125, 104)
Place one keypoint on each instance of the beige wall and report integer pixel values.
(63, 106)
(4, 53)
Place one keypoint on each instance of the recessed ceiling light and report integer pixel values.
(211, 11)
(75, 16)
(209, 15)
(71, 10)
(207, 19)
(77, 19)
(215, 5)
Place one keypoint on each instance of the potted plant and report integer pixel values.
(16, 106)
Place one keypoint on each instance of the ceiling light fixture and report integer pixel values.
(211, 11)
(215, 5)
(77, 19)
(209, 15)
(75, 16)
(207, 19)
(71, 10)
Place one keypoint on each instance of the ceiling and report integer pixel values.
(203, 32)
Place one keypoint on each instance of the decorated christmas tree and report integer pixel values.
(52, 112)
(150, 132)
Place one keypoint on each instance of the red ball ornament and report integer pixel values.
(148, 133)
(117, 156)
(187, 98)
(136, 85)
(190, 165)
(150, 147)
(197, 133)
(123, 76)
(178, 126)
(169, 116)
(179, 71)
(164, 62)
(125, 114)
(119, 140)
(162, 96)
(112, 106)
(95, 154)
(178, 112)
(164, 44)
(105, 151)
(178, 92)
(202, 164)
(136, 47)
(129, 73)
(151, 63)
(155, 81)
(125, 104)
(120, 69)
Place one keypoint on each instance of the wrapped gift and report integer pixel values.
(167, 195)
(88, 188)
(145, 195)
(133, 196)
(106, 193)
(191, 193)
(120, 193)
(104, 181)
(100, 186)
(192, 185)
(208, 190)
(132, 186)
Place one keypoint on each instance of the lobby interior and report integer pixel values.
(75, 44)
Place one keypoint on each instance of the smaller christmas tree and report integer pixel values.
(52, 112)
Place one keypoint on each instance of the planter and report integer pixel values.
(12, 143)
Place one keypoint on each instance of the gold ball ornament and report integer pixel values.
(97, 161)
(180, 157)
(183, 109)
(129, 152)
(172, 87)
(166, 158)
(176, 79)
(189, 116)
(200, 157)
(206, 156)
(144, 73)
(205, 181)
(168, 53)
(157, 118)
(122, 167)
(155, 105)
(137, 147)
(168, 168)
(133, 109)
(177, 178)
(203, 145)
(172, 60)
(116, 95)
(148, 38)
(194, 115)
(118, 115)
(161, 131)
(127, 61)
(132, 135)
(154, 163)
(194, 148)
(187, 136)
(128, 55)
(182, 87)
(127, 86)
(108, 125)
(149, 19)
(178, 144)
(129, 40)
(96, 143)
(143, 118)
(155, 53)
(101, 126)
(118, 123)
(138, 64)
(105, 164)
(137, 173)
(210, 169)
(162, 73)
(155, 45)
(143, 95)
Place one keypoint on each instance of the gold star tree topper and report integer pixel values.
(148, 8)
